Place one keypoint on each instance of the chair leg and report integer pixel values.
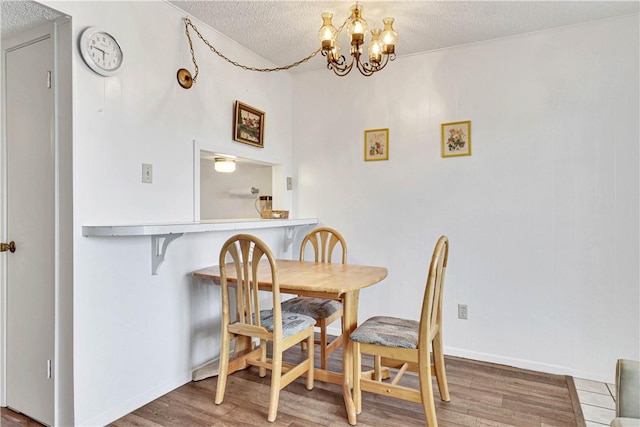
(276, 375)
(438, 362)
(377, 368)
(426, 391)
(223, 368)
(357, 373)
(310, 352)
(323, 344)
(262, 372)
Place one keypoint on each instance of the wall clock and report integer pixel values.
(100, 51)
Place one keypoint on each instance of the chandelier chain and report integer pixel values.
(193, 55)
(188, 23)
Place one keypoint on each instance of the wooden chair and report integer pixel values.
(282, 329)
(324, 241)
(627, 393)
(404, 345)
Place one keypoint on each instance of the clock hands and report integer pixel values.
(101, 50)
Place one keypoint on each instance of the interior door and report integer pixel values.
(30, 184)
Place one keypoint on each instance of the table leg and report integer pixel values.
(350, 322)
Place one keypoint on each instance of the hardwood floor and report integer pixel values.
(9, 418)
(482, 394)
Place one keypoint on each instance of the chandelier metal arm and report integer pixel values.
(339, 66)
(368, 68)
(340, 71)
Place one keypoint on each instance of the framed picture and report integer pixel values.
(456, 139)
(248, 125)
(376, 144)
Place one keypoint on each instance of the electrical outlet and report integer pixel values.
(462, 311)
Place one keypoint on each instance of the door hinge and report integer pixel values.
(48, 79)
(49, 368)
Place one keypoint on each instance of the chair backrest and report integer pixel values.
(431, 317)
(244, 253)
(324, 241)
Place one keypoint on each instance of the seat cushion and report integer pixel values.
(625, 422)
(388, 331)
(292, 323)
(318, 308)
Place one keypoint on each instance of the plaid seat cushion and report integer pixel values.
(318, 308)
(388, 331)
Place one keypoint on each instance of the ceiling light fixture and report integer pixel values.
(224, 165)
(381, 48)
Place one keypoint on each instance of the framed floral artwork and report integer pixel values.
(376, 144)
(248, 125)
(456, 139)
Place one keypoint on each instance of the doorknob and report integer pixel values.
(11, 247)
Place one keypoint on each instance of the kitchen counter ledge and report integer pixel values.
(164, 233)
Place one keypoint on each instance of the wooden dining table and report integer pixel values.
(341, 282)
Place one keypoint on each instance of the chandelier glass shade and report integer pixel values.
(380, 50)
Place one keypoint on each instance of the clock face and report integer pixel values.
(100, 51)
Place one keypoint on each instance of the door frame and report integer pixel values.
(60, 30)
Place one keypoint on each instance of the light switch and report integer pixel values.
(147, 173)
(289, 183)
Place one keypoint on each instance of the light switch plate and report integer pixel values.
(289, 183)
(147, 173)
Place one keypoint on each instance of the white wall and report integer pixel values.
(542, 218)
(138, 336)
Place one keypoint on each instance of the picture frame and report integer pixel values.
(376, 144)
(248, 125)
(456, 139)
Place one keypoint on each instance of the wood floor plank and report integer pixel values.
(503, 415)
(134, 420)
(9, 418)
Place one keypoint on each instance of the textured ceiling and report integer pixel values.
(286, 31)
(17, 16)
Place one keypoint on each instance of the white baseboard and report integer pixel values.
(509, 361)
(127, 407)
